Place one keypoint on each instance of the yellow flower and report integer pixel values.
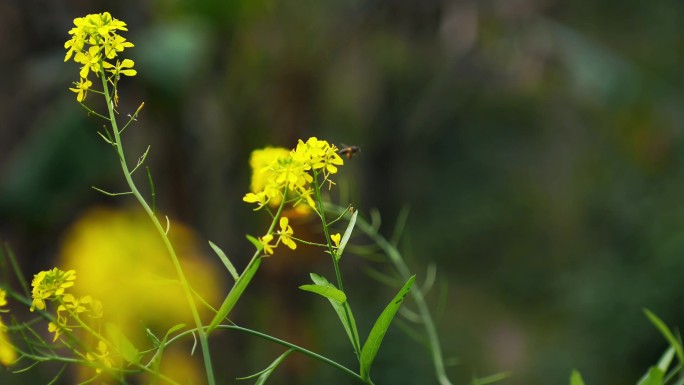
(286, 233)
(115, 44)
(81, 89)
(101, 357)
(90, 60)
(7, 353)
(336, 239)
(57, 329)
(120, 67)
(260, 198)
(261, 162)
(3, 297)
(275, 169)
(265, 243)
(49, 284)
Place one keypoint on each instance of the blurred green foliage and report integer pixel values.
(536, 142)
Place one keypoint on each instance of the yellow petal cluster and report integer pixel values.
(94, 42)
(50, 285)
(7, 353)
(277, 171)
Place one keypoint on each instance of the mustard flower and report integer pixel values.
(90, 60)
(259, 197)
(286, 233)
(81, 89)
(115, 44)
(94, 39)
(56, 328)
(7, 353)
(306, 195)
(275, 169)
(49, 284)
(121, 67)
(101, 357)
(336, 239)
(265, 243)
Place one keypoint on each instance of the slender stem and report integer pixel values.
(290, 345)
(321, 214)
(396, 258)
(176, 263)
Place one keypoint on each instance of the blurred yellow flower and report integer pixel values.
(123, 263)
(7, 353)
(101, 357)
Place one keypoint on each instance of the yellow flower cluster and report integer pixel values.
(284, 235)
(7, 353)
(94, 41)
(277, 171)
(51, 285)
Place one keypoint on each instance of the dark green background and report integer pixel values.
(538, 144)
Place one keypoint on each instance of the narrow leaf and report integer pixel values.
(225, 260)
(255, 242)
(235, 293)
(266, 373)
(491, 379)
(344, 313)
(347, 235)
(666, 359)
(17, 270)
(576, 378)
(654, 376)
(372, 345)
(122, 344)
(665, 331)
(327, 292)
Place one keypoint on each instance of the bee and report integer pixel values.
(348, 151)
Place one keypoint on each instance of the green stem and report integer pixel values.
(292, 346)
(396, 258)
(176, 263)
(321, 214)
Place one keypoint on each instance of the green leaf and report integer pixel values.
(666, 359)
(654, 376)
(372, 345)
(161, 345)
(266, 373)
(122, 344)
(255, 242)
(665, 331)
(576, 378)
(329, 292)
(491, 379)
(225, 260)
(235, 293)
(344, 313)
(347, 235)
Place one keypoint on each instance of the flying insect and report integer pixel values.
(348, 151)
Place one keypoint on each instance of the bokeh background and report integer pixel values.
(537, 143)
